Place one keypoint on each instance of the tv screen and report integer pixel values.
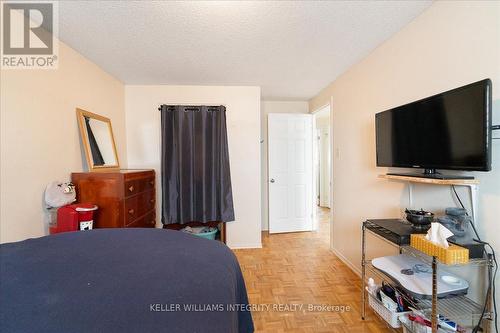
(451, 130)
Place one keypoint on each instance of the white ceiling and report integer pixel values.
(291, 49)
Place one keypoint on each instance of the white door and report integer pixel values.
(290, 172)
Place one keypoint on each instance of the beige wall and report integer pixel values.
(243, 126)
(39, 134)
(451, 44)
(268, 107)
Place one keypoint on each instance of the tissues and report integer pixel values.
(437, 234)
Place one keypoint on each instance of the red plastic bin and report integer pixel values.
(74, 217)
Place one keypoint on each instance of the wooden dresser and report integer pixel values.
(126, 198)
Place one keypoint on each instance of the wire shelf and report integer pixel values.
(460, 309)
(409, 250)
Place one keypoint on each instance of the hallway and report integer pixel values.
(299, 268)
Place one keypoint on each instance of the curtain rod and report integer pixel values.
(211, 105)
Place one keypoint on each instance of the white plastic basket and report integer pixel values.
(392, 318)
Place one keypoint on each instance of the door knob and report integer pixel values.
(272, 180)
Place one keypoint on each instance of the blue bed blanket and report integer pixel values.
(122, 280)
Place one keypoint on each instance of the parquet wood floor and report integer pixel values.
(299, 268)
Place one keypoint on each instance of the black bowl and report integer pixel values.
(419, 217)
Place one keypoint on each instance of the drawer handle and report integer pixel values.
(152, 221)
(131, 211)
(152, 200)
(152, 182)
(131, 188)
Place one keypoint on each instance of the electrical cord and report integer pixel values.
(490, 287)
(491, 281)
(494, 287)
(494, 278)
(478, 326)
(459, 200)
(466, 213)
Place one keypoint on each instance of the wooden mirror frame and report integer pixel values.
(81, 114)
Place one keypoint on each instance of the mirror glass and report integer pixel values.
(98, 141)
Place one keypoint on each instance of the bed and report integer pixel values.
(122, 280)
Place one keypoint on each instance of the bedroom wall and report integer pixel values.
(449, 45)
(268, 107)
(40, 137)
(243, 126)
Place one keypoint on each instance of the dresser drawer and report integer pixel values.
(147, 221)
(134, 186)
(138, 205)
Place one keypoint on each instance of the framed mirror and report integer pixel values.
(98, 141)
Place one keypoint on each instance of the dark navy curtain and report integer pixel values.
(195, 176)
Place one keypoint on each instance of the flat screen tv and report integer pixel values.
(451, 131)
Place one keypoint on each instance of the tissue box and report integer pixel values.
(451, 256)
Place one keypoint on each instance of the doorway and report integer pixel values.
(322, 160)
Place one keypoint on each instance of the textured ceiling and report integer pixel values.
(291, 49)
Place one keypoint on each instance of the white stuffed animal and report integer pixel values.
(58, 194)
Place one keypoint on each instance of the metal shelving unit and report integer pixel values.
(460, 309)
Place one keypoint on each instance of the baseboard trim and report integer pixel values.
(247, 246)
(349, 264)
